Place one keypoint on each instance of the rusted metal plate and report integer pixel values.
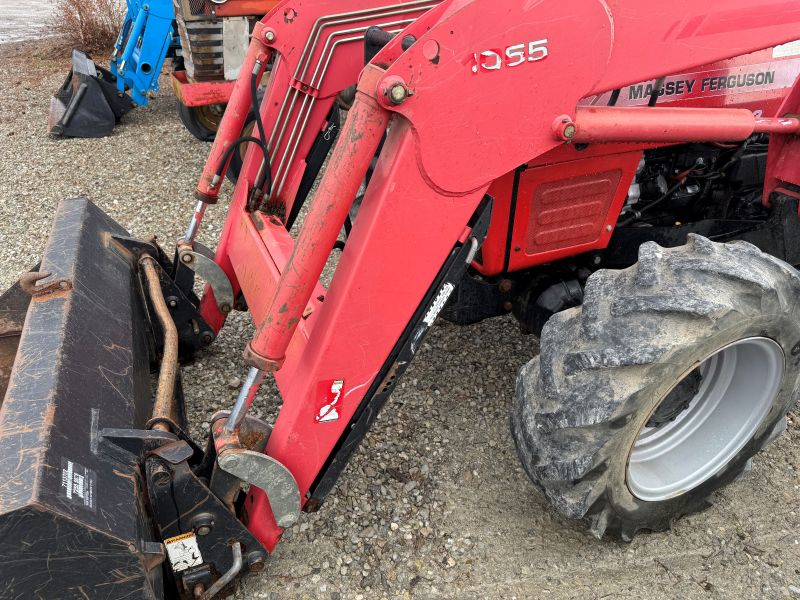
(72, 521)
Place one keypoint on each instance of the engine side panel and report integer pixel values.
(559, 207)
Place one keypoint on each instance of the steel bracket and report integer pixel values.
(204, 266)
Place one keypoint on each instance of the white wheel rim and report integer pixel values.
(738, 386)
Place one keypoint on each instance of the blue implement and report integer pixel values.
(144, 41)
(92, 100)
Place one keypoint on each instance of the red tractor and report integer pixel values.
(622, 177)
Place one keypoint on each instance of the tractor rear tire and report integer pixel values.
(201, 121)
(662, 386)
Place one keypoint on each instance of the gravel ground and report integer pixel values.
(434, 504)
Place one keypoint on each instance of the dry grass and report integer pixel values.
(91, 25)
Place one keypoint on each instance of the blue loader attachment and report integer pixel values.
(92, 100)
(145, 39)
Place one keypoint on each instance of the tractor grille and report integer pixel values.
(190, 10)
(197, 7)
(201, 40)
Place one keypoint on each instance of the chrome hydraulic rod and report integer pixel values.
(255, 377)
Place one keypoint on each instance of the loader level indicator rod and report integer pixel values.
(228, 576)
(255, 377)
(194, 224)
(165, 393)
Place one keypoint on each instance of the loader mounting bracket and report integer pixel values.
(189, 515)
(176, 280)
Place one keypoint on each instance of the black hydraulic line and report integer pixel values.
(659, 83)
(655, 202)
(266, 173)
(232, 148)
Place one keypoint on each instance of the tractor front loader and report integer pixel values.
(621, 177)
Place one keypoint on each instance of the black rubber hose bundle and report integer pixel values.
(265, 182)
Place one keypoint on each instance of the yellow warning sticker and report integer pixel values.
(183, 552)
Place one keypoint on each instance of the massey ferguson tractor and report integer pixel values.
(623, 177)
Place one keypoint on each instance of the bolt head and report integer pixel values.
(398, 93)
(269, 35)
(202, 523)
(187, 258)
(609, 228)
(225, 308)
(569, 131)
(161, 478)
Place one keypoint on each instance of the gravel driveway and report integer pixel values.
(434, 504)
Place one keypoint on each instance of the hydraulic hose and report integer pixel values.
(231, 149)
(266, 173)
(265, 182)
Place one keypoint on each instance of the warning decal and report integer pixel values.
(183, 552)
(329, 400)
(78, 484)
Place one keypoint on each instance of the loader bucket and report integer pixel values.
(88, 104)
(73, 522)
